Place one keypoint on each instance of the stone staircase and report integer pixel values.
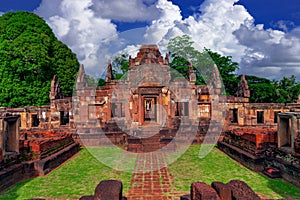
(150, 138)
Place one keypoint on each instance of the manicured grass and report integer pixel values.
(217, 166)
(80, 175)
(77, 177)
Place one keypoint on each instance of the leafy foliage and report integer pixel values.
(30, 55)
(182, 51)
(263, 90)
(121, 62)
(227, 69)
(101, 82)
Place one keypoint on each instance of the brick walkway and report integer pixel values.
(151, 179)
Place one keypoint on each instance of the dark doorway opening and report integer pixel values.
(150, 109)
(64, 118)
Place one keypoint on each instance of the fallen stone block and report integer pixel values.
(223, 190)
(202, 191)
(108, 190)
(240, 191)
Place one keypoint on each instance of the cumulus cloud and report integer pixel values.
(284, 25)
(129, 11)
(87, 27)
(229, 29)
(212, 27)
(77, 25)
(271, 53)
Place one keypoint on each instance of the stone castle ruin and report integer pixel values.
(143, 112)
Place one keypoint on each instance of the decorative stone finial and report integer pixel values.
(56, 91)
(109, 73)
(243, 89)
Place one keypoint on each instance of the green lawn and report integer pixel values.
(77, 177)
(80, 175)
(217, 166)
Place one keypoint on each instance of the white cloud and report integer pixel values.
(213, 28)
(159, 28)
(279, 52)
(75, 24)
(228, 28)
(129, 11)
(220, 25)
(284, 25)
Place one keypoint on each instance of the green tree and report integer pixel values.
(91, 80)
(30, 55)
(287, 89)
(101, 82)
(121, 63)
(227, 69)
(182, 51)
(262, 90)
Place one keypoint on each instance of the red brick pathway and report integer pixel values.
(151, 179)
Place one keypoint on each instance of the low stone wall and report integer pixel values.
(253, 140)
(30, 169)
(16, 173)
(287, 165)
(44, 147)
(251, 161)
(46, 165)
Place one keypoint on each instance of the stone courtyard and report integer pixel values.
(149, 114)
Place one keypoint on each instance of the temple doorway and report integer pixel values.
(150, 113)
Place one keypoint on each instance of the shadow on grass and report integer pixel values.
(12, 192)
(284, 188)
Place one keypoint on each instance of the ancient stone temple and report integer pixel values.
(151, 108)
(144, 100)
(145, 94)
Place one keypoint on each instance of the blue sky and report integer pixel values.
(262, 36)
(266, 12)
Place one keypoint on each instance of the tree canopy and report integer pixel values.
(30, 55)
(262, 90)
(182, 52)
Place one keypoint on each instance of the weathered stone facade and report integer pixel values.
(146, 100)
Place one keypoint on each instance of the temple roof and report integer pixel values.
(148, 54)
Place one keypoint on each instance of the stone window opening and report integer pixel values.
(260, 117)
(122, 110)
(234, 115)
(275, 116)
(9, 142)
(64, 118)
(182, 109)
(285, 134)
(113, 110)
(185, 109)
(35, 120)
(117, 110)
(177, 109)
